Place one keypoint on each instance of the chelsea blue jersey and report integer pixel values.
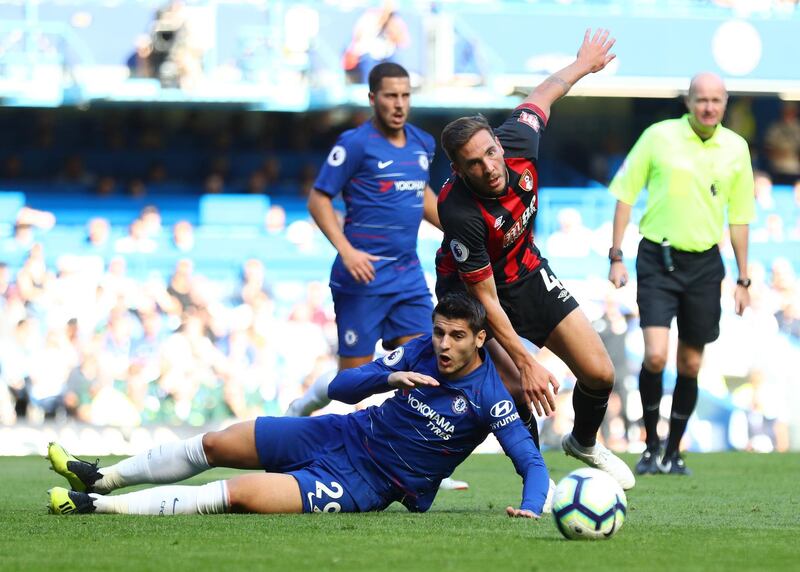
(383, 188)
(418, 437)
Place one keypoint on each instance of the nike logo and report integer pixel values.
(384, 164)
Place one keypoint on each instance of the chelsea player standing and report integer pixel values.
(381, 170)
(448, 398)
(379, 289)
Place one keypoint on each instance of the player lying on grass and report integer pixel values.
(448, 398)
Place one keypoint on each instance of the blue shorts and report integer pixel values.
(363, 320)
(311, 449)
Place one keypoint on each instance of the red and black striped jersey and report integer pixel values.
(485, 236)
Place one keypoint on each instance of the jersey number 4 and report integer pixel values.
(550, 282)
(324, 493)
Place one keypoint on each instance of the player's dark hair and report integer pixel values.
(380, 71)
(462, 306)
(456, 133)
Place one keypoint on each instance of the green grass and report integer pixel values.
(738, 512)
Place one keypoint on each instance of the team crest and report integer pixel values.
(423, 162)
(350, 338)
(392, 358)
(529, 119)
(460, 252)
(459, 405)
(526, 181)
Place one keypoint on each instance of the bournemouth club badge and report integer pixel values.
(526, 181)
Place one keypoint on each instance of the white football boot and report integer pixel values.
(600, 458)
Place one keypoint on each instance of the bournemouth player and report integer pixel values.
(448, 398)
(487, 210)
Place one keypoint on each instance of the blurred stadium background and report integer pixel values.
(159, 272)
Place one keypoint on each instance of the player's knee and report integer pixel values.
(606, 375)
(655, 361)
(211, 447)
(689, 367)
(601, 376)
(690, 358)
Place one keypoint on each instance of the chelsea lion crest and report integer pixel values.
(459, 405)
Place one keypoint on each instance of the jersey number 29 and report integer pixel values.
(324, 493)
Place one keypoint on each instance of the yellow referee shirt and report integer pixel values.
(690, 183)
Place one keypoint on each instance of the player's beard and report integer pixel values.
(389, 127)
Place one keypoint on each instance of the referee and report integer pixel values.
(695, 170)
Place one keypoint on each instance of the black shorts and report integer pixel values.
(535, 305)
(691, 292)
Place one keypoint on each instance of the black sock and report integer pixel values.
(529, 420)
(590, 408)
(651, 389)
(684, 398)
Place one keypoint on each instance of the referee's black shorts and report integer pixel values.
(691, 292)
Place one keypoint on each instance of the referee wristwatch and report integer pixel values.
(615, 254)
(744, 282)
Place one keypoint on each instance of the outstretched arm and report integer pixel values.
(593, 56)
(535, 379)
(518, 445)
(356, 384)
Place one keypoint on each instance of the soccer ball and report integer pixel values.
(589, 504)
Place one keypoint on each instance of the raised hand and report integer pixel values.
(594, 51)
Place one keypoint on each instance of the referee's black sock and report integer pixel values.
(651, 389)
(590, 407)
(684, 399)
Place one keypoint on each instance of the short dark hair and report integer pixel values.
(380, 71)
(456, 133)
(462, 306)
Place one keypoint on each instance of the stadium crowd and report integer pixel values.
(86, 341)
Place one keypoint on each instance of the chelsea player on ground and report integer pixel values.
(448, 398)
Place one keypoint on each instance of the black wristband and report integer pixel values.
(744, 282)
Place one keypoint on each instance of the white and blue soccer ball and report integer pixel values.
(589, 504)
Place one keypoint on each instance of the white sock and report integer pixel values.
(166, 501)
(166, 463)
(316, 397)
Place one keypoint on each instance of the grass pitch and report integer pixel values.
(738, 512)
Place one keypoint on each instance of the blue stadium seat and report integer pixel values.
(233, 209)
(10, 203)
